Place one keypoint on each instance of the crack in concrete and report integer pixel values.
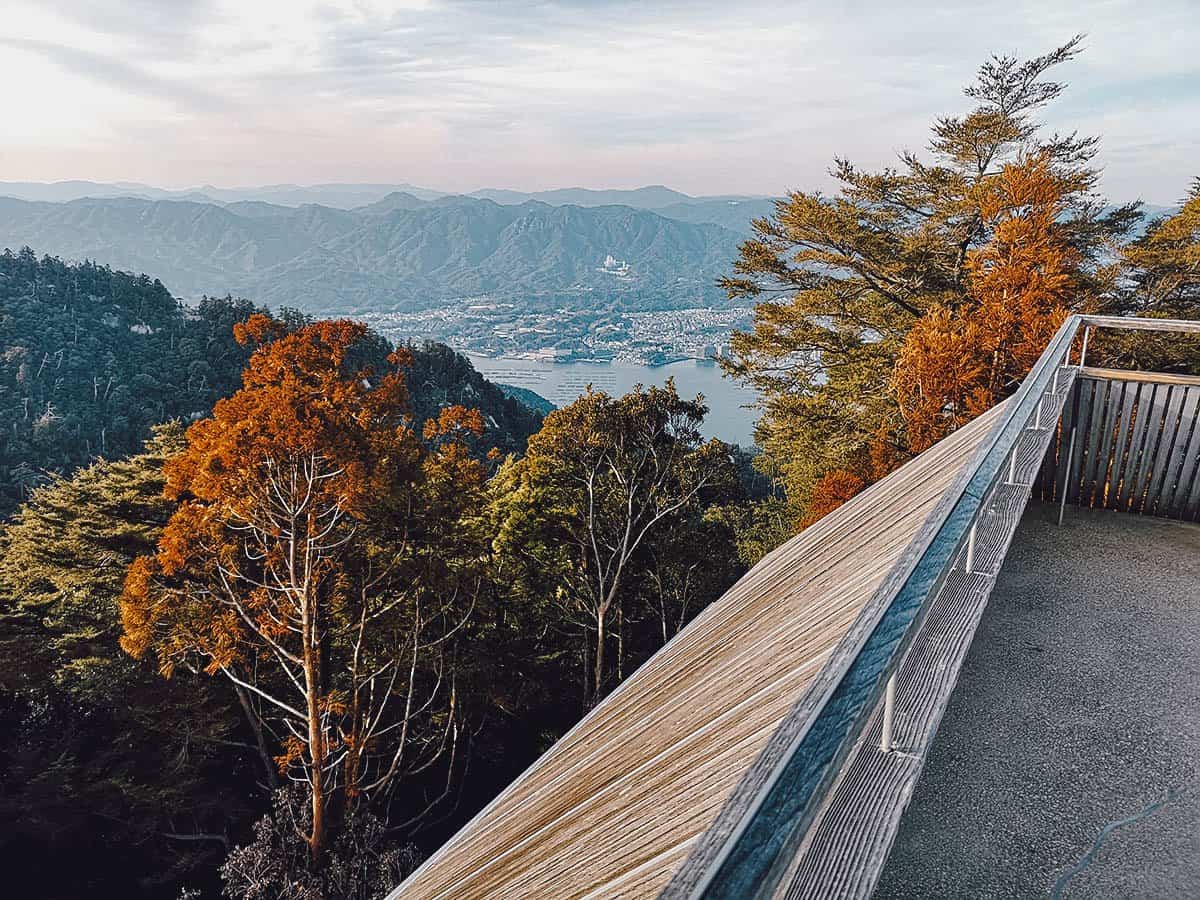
(1064, 880)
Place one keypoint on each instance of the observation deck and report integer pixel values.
(903, 697)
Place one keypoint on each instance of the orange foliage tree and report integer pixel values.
(956, 363)
(320, 558)
(837, 486)
(832, 490)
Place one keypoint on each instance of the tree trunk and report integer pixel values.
(620, 642)
(598, 673)
(316, 742)
(256, 726)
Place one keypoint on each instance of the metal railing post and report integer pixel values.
(886, 742)
(1083, 350)
(1062, 500)
(971, 548)
(1012, 464)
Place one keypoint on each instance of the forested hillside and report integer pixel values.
(91, 358)
(457, 619)
(398, 253)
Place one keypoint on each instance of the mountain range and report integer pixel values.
(382, 247)
(401, 251)
(385, 248)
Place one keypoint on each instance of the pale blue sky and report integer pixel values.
(707, 97)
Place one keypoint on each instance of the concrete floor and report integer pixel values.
(1066, 764)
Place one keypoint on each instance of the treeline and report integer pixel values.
(918, 296)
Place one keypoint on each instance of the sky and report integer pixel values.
(706, 97)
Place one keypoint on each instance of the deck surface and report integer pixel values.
(613, 809)
(1067, 762)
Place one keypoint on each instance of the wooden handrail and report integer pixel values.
(1142, 323)
(1133, 375)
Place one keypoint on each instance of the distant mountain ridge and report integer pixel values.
(349, 196)
(401, 251)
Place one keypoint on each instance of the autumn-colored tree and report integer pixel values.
(832, 490)
(958, 362)
(841, 280)
(319, 559)
(577, 516)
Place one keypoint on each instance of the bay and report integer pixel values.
(729, 417)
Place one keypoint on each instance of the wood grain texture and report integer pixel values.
(613, 808)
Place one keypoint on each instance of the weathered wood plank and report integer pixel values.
(1161, 464)
(1121, 448)
(1093, 477)
(1189, 460)
(1083, 456)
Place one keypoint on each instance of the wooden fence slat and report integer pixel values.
(1143, 404)
(1087, 461)
(1161, 469)
(1099, 472)
(1191, 509)
(1155, 426)
(1079, 463)
(1121, 449)
(1189, 460)
(1112, 437)
(1062, 480)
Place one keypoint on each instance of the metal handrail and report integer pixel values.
(748, 849)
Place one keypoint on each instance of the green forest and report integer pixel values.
(282, 604)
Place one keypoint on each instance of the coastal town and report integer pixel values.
(487, 327)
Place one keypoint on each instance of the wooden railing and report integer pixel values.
(816, 814)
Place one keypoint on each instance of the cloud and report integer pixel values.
(98, 67)
(706, 96)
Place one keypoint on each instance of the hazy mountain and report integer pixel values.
(341, 196)
(387, 255)
(64, 191)
(349, 196)
(650, 197)
(393, 201)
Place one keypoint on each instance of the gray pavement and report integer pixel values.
(1066, 764)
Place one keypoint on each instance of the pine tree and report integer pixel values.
(99, 752)
(840, 281)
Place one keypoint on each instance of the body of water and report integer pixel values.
(728, 416)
